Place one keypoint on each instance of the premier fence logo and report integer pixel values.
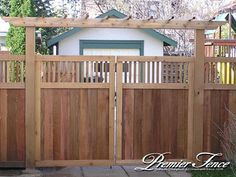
(156, 161)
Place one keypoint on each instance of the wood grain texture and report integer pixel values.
(75, 124)
(12, 125)
(111, 23)
(30, 97)
(198, 99)
(154, 121)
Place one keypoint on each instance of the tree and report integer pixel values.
(16, 36)
(43, 8)
(4, 8)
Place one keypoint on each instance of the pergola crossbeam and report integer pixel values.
(111, 23)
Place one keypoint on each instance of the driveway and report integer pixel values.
(114, 171)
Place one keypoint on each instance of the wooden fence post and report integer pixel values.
(30, 98)
(198, 91)
(190, 110)
(119, 96)
(111, 109)
(37, 110)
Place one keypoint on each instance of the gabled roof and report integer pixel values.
(223, 17)
(113, 13)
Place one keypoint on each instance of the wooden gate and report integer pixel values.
(152, 106)
(76, 125)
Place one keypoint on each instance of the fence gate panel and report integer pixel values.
(152, 107)
(77, 111)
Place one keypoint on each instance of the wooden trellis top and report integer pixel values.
(112, 23)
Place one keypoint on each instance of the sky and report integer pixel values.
(4, 26)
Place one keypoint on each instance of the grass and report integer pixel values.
(216, 173)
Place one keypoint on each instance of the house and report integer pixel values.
(110, 41)
(3, 33)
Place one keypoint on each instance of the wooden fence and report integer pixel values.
(75, 107)
(104, 110)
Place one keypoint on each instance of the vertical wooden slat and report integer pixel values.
(30, 98)
(105, 71)
(125, 70)
(22, 72)
(207, 72)
(3, 125)
(230, 74)
(176, 73)
(153, 72)
(185, 72)
(58, 72)
(82, 72)
(77, 72)
(16, 70)
(225, 72)
(101, 72)
(198, 92)
(171, 72)
(135, 72)
(91, 74)
(3, 71)
(49, 71)
(212, 72)
(96, 79)
(234, 73)
(148, 72)
(216, 73)
(157, 72)
(130, 72)
(63, 77)
(144, 71)
(102, 126)
(220, 73)
(73, 72)
(180, 72)
(162, 72)
(119, 112)
(68, 74)
(139, 72)
(44, 71)
(8, 71)
(53, 71)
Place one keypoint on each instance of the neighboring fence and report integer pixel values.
(220, 91)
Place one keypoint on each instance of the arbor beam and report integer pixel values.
(111, 23)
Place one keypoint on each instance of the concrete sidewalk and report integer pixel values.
(115, 171)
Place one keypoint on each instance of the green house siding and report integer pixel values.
(112, 44)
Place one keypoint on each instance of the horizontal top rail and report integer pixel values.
(220, 59)
(73, 58)
(221, 40)
(10, 57)
(155, 58)
(111, 23)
